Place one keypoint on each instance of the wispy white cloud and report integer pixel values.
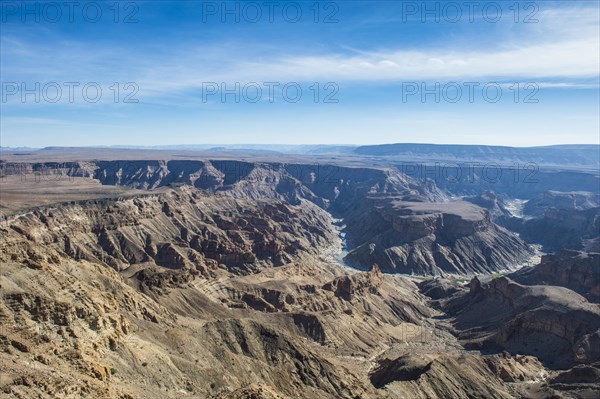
(561, 51)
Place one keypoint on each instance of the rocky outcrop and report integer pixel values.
(440, 288)
(577, 271)
(454, 375)
(321, 183)
(558, 229)
(348, 287)
(552, 323)
(277, 351)
(490, 201)
(569, 201)
(58, 320)
(177, 229)
(429, 238)
(253, 392)
(405, 368)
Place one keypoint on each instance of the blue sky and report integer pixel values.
(368, 58)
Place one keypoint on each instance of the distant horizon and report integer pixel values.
(238, 146)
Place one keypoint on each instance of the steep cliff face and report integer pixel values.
(492, 202)
(578, 271)
(554, 324)
(430, 238)
(579, 200)
(525, 180)
(321, 183)
(437, 239)
(557, 228)
(180, 228)
(445, 240)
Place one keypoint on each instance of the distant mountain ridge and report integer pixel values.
(565, 155)
(247, 148)
(570, 154)
(18, 149)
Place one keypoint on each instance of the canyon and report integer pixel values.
(226, 278)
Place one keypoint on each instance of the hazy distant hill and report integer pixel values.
(571, 155)
(246, 148)
(17, 149)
